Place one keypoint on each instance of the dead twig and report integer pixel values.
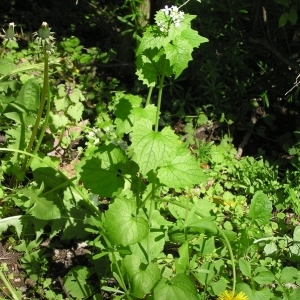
(245, 140)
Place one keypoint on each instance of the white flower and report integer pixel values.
(177, 23)
(166, 10)
(174, 15)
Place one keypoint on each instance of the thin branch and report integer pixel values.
(280, 56)
(247, 136)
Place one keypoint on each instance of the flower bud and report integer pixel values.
(44, 36)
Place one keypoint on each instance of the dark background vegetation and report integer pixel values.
(249, 63)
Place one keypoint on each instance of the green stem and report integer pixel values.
(286, 295)
(161, 85)
(40, 111)
(186, 216)
(149, 95)
(224, 237)
(149, 218)
(44, 127)
(68, 181)
(8, 285)
(115, 261)
(228, 246)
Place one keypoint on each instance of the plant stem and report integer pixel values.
(69, 182)
(149, 218)
(161, 85)
(224, 237)
(149, 95)
(43, 129)
(8, 285)
(40, 111)
(228, 246)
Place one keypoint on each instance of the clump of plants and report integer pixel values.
(159, 217)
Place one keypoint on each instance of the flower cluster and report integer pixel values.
(174, 15)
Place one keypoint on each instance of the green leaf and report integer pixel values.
(218, 286)
(76, 96)
(293, 16)
(44, 174)
(123, 225)
(29, 95)
(157, 241)
(14, 221)
(182, 263)
(152, 149)
(142, 277)
(245, 267)
(129, 111)
(44, 209)
(75, 111)
(151, 64)
(181, 170)
(264, 294)
(295, 295)
(289, 275)
(179, 53)
(178, 288)
(57, 121)
(204, 225)
(296, 235)
(264, 278)
(270, 248)
(12, 85)
(76, 282)
(153, 38)
(102, 173)
(283, 19)
(260, 209)
(4, 102)
(6, 66)
(184, 39)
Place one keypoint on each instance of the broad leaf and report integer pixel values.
(289, 275)
(123, 225)
(260, 209)
(151, 64)
(129, 110)
(264, 278)
(29, 95)
(76, 282)
(142, 277)
(245, 267)
(178, 288)
(152, 149)
(45, 172)
(75, 111)
(102, 173)
(57, 121)
(6, 66)
(181, 171)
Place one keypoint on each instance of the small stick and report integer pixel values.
(63, 287)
